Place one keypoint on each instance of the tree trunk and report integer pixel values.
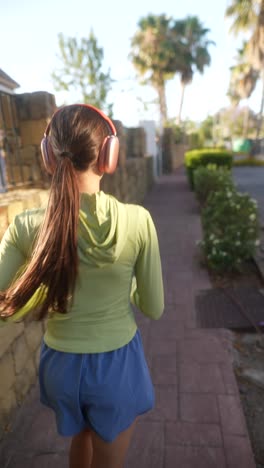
(181, 103)
(162, 104)
(261, 109)
(245, 122)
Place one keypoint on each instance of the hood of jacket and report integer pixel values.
(102, 228)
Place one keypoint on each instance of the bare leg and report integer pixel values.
(81, 451)
(111, 455)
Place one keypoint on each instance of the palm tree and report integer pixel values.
(243, 81)
(248, 15)
(244, 14)
(191, 37)
(152, 50)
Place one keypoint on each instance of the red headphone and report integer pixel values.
(108, 154)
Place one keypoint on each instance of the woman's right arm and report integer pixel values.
(148, 295)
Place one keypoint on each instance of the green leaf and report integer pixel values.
(82, 69)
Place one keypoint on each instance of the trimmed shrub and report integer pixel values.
(231, 230)
(211, 179)
(195, 158)
(249, 162)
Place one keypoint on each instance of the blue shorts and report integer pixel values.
(101, 391)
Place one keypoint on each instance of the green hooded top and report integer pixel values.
(119, 263)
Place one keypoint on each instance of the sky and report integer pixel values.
(29, 51)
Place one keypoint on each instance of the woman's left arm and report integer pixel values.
(12, 260)
(14, 250)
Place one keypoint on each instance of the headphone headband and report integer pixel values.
(108, 153)
(88, 106)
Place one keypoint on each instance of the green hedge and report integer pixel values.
(207, 180)
(231, 230)
(230, 220)
(249, 162)
(205, 157)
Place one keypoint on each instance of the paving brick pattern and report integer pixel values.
(198, 420)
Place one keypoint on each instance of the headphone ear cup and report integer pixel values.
(47, 156)
(108, 156)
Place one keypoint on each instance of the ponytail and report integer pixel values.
(54, 261)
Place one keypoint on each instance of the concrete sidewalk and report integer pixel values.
(198, 420)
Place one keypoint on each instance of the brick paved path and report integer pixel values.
(198, 420)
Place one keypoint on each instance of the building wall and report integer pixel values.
(151, 142)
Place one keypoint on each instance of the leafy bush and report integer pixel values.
(195, 158)
(231, 230)
(211, 179)
(195, 140)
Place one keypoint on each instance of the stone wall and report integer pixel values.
(26, 117)
(135, 142)
(33, 112)
(20, 343)
(130, 182)
(19, 355)
(12, 203)
(172, 152)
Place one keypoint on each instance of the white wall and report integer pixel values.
(6, 90)
(151, 144)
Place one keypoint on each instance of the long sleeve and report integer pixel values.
(147, 293)
(12, 261)
(11, 256)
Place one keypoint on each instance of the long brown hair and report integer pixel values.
(76, 134)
